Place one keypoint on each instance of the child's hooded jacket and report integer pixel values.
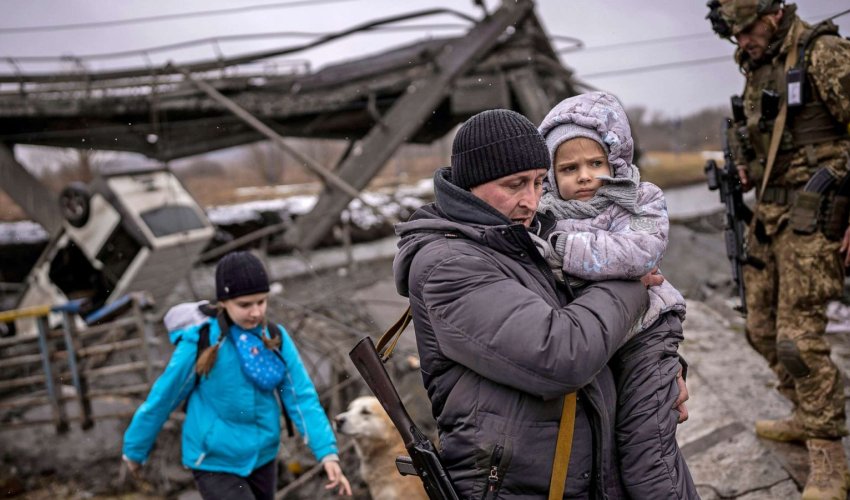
(622, 232)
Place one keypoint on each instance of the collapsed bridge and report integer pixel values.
(415, 93)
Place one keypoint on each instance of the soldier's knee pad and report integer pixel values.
(791, 359)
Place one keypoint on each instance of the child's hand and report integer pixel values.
(135, 468)
(652, 278)
(336, 478)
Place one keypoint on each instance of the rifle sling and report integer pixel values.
(779, 123)
(388, 341)
(564, 446)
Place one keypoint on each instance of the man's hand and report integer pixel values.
(652, 278)
(336, 478)
(746, 185)
(679, 405)
(845, 247)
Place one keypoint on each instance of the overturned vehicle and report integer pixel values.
(133, 229)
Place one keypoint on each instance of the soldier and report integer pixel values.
(791, 142)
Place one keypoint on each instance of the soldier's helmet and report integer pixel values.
(730, 17)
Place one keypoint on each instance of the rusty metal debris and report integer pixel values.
(415, 93)
(411, 94)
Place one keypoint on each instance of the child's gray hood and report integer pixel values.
(598, 111)
(603, 113)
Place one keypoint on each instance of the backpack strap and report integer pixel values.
(274, 332)
(204, 343)
(203, 340)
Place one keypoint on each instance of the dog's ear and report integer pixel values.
(376, 408)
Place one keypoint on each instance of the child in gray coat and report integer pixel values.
(612, 226)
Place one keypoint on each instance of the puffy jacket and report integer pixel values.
(500, 346)
(617, 244)
(231, 425)
(621, 242)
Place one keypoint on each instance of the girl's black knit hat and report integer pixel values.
(238, 274)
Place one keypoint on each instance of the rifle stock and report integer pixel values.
(423, 460)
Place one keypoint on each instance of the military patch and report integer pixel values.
(643, 224)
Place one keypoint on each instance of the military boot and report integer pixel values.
(786, 429)
(829, 477)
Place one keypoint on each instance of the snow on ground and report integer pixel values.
(388, 204)
(22, 232)
(223, 215)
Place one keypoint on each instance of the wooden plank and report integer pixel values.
(19, 360)
(93, 373)
(106, 327)
(19, 424)
(103, 393)
(24, 402)
(122, 368)
(120, 345)
(22, 382)
(119, 391)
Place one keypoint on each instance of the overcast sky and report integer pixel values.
(671, 92)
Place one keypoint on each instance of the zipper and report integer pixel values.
(494, 480)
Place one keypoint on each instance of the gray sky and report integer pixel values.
(670, 92)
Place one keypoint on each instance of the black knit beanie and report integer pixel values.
(238, 274)
(493, 144)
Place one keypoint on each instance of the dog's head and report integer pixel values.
(366, 420)
(377, 444)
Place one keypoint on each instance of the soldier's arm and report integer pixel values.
(829, 68)
(830, 71)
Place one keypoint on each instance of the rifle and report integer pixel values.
(738, 214)
(423, 460)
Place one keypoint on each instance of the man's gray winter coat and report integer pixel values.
(500, 344)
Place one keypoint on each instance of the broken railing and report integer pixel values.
(108, 358)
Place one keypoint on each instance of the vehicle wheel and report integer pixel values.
(7, 329)
(74, 202)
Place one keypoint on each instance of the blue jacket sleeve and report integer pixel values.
(170, 389)
(302, 402)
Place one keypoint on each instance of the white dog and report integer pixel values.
(378, 443)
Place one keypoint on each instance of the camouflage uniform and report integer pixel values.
(787, 298)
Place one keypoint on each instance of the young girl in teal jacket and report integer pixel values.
(232, 430)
